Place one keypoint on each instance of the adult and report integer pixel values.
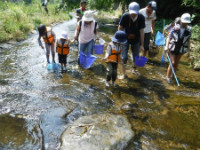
(133, 23)
(45, 4)
(85, 32)
(80, 11)
(149, 14)
(178, 43)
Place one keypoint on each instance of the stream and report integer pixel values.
(37, 105)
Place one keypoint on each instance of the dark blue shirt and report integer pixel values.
(132, 27)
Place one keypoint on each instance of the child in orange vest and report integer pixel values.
(112, 57)
(49, 38)
(62, 48)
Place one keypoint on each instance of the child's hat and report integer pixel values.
(120, 37)
(186, 18)
(64, 35)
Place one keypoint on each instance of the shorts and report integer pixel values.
(62, 59)
(135, 51)
(147, 37)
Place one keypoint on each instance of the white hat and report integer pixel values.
(185, 18)
(134, 8)
(153, 5)
(64, 35)
(88, 15)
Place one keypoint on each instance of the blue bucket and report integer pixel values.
(86, 60)
(98, 49)
(140, 61)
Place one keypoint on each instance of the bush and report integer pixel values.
(16, 19)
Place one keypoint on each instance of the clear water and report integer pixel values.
(37, 105)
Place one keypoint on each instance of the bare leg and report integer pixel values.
(169, 70)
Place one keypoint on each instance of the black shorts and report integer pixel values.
(147, 37)
(62, 59)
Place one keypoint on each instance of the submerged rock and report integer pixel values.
(97, 132)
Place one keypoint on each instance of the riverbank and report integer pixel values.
(16, 19)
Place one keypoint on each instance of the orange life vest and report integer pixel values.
(49, 38)
(115, 55)
(62, 50)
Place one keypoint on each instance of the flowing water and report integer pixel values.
(37, 105)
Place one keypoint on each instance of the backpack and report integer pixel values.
(95, 26)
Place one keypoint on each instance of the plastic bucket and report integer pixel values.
(86, 60)
(140, 61)
(98, 49)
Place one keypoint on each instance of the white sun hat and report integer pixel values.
(88, 15)
(186, 18)
(64, 35)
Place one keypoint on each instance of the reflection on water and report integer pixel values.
(37, 105)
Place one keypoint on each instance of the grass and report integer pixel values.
(16, 19)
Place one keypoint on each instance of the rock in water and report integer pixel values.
(97, 132)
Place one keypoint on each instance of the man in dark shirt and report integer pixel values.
(80, 11)
(133, 23)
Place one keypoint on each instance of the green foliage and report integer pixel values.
(16, 19)
(196, 32)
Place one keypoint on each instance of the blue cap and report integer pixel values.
(134, 8)
(120, 37)
(153, 5)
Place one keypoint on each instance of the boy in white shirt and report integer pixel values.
(149, 14)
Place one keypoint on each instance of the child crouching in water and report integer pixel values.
(62, 48)
(112, 57)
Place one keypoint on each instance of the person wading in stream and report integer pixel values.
(85, 33)
(80, 11)
(168, 28)
(149, 14)
(134, 24)
(178, 43)
(112, 56)
(62, 48)
(45, 4)
(49, 38)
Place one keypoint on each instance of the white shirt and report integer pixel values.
(148, 19)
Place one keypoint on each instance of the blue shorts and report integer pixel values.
(135, 51)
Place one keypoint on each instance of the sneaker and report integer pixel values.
(64, 68)
(107, 84)
(169, 80)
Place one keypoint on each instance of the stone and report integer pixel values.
(97, 132)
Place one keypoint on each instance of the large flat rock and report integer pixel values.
(97, 132)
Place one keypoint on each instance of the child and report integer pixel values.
(178, 43)
(112, 56)
(168, 28)
(49, 39)
(62, 48)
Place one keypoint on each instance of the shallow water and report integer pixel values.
(37, 105)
